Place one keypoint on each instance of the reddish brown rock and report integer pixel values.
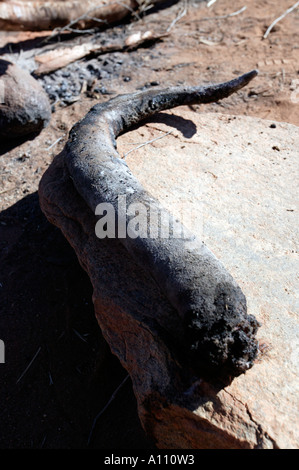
(24, 106)
(243, 196)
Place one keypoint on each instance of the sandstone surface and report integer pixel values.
(237, 178)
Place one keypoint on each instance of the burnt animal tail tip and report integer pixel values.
(247, 77)
(253, 73)
(236, 84)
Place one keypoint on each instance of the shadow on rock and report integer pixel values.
(14, 142)
(187, 127)
(59, 372)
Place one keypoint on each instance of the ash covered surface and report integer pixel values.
(93, 75)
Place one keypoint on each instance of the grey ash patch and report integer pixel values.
(94, 74)
(65, 85)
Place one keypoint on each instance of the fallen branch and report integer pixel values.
(38, 15)
(8, 190)
(59, 58)
(279, 19)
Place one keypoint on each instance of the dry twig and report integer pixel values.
(222, 17)
(210, 3)
(29, 365)
(296, 5)
(146, 143)
(179, 16)
(105, 407)
(54, 143)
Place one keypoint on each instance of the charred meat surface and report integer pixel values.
(218, 336)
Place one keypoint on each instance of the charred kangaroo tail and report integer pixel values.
(218, 335)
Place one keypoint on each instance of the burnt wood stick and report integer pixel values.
(218, 336)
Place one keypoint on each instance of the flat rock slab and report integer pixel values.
(236, 176)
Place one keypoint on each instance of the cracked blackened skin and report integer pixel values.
(218, 336)
(222, 343)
